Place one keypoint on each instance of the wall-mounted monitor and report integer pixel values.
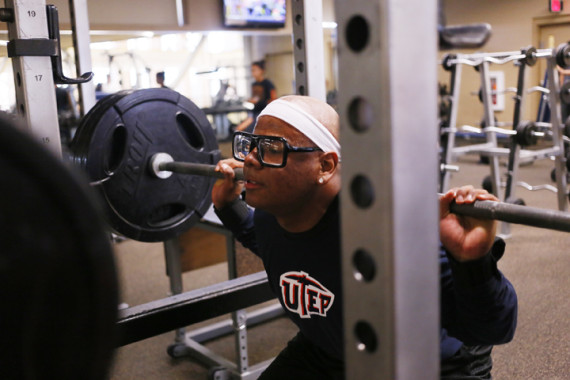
(254, 13)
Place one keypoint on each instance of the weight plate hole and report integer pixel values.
(166, 215)
(117, 149)
(189, 131)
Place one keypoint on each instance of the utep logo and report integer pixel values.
(304, 295)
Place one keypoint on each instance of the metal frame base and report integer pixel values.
(188, 344)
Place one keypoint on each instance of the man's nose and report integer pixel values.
(252, 157)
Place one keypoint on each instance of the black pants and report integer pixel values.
(302, 360)
(469, 363)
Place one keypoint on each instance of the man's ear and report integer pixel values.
(329, 165)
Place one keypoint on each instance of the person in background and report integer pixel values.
(66, 114)
(262, 93)
(160, 79)
(99, 93)
(63, 100)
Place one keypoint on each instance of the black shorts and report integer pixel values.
(302, 360)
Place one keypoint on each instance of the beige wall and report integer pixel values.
(159, 16)
(515, 24)
(154, 15)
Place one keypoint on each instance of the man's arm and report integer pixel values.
(232, 211)
(486, 302)
(238, 218)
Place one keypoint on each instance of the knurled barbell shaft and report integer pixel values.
(197, 169)
(506, 212)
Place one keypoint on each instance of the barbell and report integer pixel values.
(525, 134)
(161, 165)
(133, 142)
(513, 213)
(528, 56)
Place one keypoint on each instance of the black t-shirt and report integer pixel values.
(478, 304)
(304, 272)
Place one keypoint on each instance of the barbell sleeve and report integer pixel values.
(197, 169)
(517, 214)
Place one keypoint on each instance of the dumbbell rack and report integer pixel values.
(556, 129)
(515, 154)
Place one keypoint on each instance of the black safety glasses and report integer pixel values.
(272, 151)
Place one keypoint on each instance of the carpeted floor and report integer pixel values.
(537, 262)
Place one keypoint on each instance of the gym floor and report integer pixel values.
(536, 261)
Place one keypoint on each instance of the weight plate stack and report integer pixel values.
(114, 145)
(563, 55)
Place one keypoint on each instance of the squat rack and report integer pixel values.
(390, 284)
(390, 279)
(34, 46)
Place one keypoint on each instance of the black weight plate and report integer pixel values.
(445, 63)
(563, 55)
(530, 53)
(79, 147)
(516, 201)
(567, 127)
(487, 184)
(126, 135)
(526, 134)
(58, 284)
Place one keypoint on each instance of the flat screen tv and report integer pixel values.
(254, 13)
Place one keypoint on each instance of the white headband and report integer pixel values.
(306, 124)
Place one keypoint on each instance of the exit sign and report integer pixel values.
(555, 5)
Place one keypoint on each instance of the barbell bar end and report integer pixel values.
(154, 165)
